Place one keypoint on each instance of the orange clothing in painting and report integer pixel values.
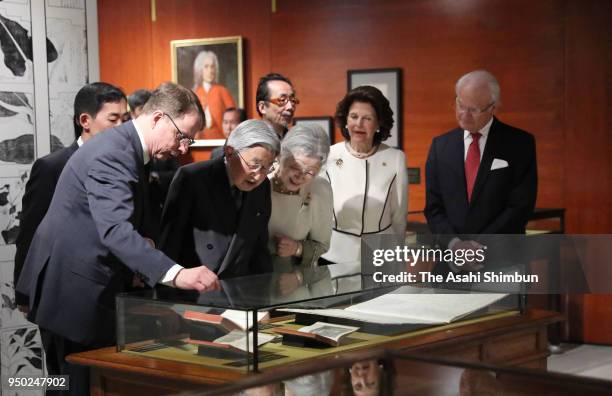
(218, 98)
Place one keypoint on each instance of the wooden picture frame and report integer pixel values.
(324, 122)
(222, 89)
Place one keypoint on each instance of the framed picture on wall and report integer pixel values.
(324, 122)
(212, 68)
(389, 82)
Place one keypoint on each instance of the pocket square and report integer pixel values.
(498, 164)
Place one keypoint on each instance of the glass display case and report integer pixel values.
(260, 322)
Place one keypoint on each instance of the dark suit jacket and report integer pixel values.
(217, 153)
(502, 199)
(88, 246)
(201, 225)
(161, 175)
(36, 200)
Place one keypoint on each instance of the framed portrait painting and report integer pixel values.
(324, 122)
(213, 69)
(389, 82)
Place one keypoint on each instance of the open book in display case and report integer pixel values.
(263, 321)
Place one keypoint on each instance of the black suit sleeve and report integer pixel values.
(34, 205)
(435, 211)
(175, 221)
(261, 261)
(522, 197)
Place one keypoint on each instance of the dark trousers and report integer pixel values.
(56, 349)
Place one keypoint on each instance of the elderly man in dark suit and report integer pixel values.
(217, 211)
(97, 106)
(89, 245)
(481, 177)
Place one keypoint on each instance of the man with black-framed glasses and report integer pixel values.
(217, 211)
(276, 102)
(481, 178)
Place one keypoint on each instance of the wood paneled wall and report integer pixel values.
(552, 57)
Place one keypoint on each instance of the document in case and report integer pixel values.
(229, 319)
(410, 305)
(236, 340)
(327, 333)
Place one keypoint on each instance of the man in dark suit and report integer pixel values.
(481, 177)
(217, 211)
(97, 106)
(89, 244)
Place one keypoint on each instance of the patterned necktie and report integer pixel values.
(472, 161)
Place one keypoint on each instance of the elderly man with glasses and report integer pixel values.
(217, 211)
(481, 177)
(276, 102)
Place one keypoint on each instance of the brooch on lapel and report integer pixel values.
(339, 163)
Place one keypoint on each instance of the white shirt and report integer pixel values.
(207, 86)
(467, 139)
(145, 149)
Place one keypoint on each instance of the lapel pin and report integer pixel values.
(339, 163)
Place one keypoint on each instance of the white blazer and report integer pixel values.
(370, 197)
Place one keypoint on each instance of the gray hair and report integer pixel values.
(251, 133)
(198, 64)
(308, 140)
(480, 77)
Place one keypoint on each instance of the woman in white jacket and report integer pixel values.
(368, 178)
(301, 221)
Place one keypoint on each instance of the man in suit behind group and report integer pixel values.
(89, 245)
(97, 106)
(481, 177)
(217, 211)
(231, 118)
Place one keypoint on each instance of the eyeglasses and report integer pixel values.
(182, 136)
(255, 167)
(282, 100)
(308, 173)
(471, 110)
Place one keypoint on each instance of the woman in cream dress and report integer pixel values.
(301, 221)
(368, 178)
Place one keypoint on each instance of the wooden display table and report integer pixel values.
(506, 339)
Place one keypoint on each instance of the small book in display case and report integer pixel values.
(318, 335)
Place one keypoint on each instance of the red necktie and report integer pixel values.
(472, 161)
